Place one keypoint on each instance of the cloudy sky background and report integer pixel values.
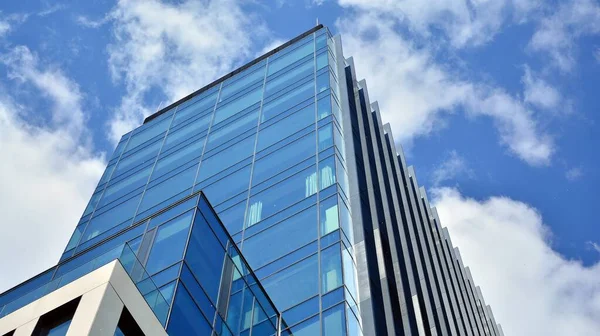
(495, 103)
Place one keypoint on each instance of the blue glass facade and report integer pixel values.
(258, 204)
(265, 147)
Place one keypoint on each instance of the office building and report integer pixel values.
(271, 201)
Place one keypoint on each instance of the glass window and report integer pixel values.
(331, 268)
(125, 186)
(302, 277)
(231, 185)
(346, 221)
(324, 107)
(323, 82)
(225, 158)
(144, 155)
(286, 127)
(321, 41)
(233, 218)
(231, 88)
(349, 273)
(107, 173)
(329, 215)
(325, 137)
(152, 130)
(59, 330)
(186, 318)
(283, 158)
(290, 77)
(205, 257)
(327, 172)
(92, 204)
(281, 195)
(247, 306)
(169, 243)
(321, 60)
(288, 100)
(334, 322)
(204, 105)
(111, 218)
(301, 311)
(166, 164)
(281, 238)
(307, 328)
(229, 132)
(188, 131)
(167, 189)
(240, 104)
(167, 291)
(291, 57)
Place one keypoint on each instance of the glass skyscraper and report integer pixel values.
(271, 201)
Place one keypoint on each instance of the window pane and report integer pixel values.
(308, 328)
(233, 218)
(205, 257)
(152, 130)
(229, 186)
(349, 273)
(286, 127)
(227, 133)
(226, 158)
(204, 105)
(229, 89)
(283, 158)
(125, 186)
(240, 104)
(331, 268)
(291, 57)
(186, 318)
(288, 100)
(175, 159)
(329, 215)
(60, 330)
(302, 277)
(178, 136)
(324, 107)
(111, 218)
(334, 322)
(169, 188)
(281, 239)
(144, 155)
(290, 77)
(325, 137)
(327, 172)
(169, 243)
(282, 195)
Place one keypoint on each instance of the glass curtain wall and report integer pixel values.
(266, 147)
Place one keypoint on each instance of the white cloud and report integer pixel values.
(593, 246)
(85, 21)
(532, 289)
(48, 172)
(4, 27)
(557, 33)
(452, 167)
(52, 9)
(464, 23)
(574, 174)
(415, 91)
(597, 54)
(173, 49)
(538, 92)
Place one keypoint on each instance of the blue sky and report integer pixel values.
(495, 103)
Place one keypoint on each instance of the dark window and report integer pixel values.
(127, 325)
(57, 321)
